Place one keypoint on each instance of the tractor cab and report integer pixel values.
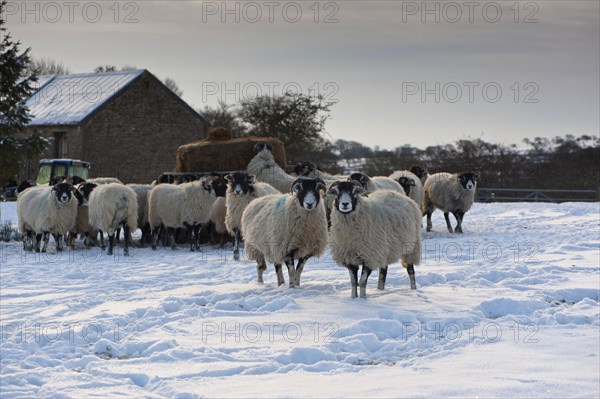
(61, 167)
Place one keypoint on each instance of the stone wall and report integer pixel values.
(135, 135)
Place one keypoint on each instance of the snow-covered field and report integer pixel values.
(509, 309)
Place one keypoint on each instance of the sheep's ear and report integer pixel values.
(359, 190)
(321, 186)
(251, 178)
(296, 186)
(208, 184)
(228, 177)
(333, 189)
(412, 182)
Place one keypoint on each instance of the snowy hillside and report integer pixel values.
(509, 309)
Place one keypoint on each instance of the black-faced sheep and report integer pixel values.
(186, 205)
(265, 169)
(45, 210)
(374, 232)
(242, 189)
(281, 228)
(410, 183)
(112, 206)
(372, 184)
(420, 172)
(450, 193)
(141, 192)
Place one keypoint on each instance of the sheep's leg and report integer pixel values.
(46, 240)
(300, 267)
(411, 276)
(382, 278)
(87, 239)
(59, 242)
(223, 240)
(155, 232)
(102, 245)
(118, 235)
(280, 278)
(126, 238)
(197, 229)
(448, 222)
(429, 220)
(289, 262)
(353, 269)
(111, 243)
(190, 231)
(261, 266)
(236, 244)
(459, 218)
(364, 276)
(38, 241)
(171, 236)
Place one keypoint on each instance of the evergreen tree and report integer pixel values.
(14, 115)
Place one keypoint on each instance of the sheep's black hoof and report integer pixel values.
(236, 256)
(154, 248)
(109, 252)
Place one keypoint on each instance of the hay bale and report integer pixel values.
(224, 155)
(219, 133)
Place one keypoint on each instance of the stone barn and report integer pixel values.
(127, 124)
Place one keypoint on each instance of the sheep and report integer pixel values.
(217, 220)
(23, 186)
(186, 205)
(82, 221)
(104, 180)
(371, 184)
(45, 210)
(450, 193)
(374, 231)
(112, 206)
(73, 180)
(410, 183)
(420, 172)
(241, 190)
(308, 169)
(280, 228)
(265, 169)
(141, 191)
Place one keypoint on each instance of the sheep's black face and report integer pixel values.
(168, 179)
(219, 186)
(262, 146)
(346, 195)
(23, 186)
(468, 180)
(407, 184)
(304, 168)
(186, 179)
(86, 189)
(418, 171)
(57, 179)
(308, 192)
(361, 178)
(240, 183)
(63, 192)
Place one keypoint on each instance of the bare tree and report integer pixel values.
(45, 66)
(171, 84)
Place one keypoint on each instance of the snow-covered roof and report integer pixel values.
(69, 99)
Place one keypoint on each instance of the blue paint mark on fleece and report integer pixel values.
(280, 202)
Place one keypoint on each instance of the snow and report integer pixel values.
(508, 309)
(69, 99)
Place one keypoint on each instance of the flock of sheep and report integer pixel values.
(366, 222)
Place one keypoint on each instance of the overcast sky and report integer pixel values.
(400, 74)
